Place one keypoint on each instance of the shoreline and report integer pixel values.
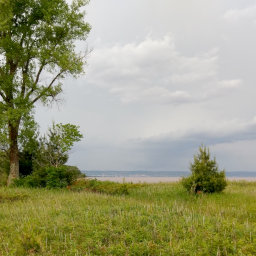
(142, 179)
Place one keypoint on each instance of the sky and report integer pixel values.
(162, 78)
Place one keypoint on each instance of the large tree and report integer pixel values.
(37, 50)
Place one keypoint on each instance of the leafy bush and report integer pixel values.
(50, 177)
(36, 179)
(73, 173)
(205, 174)
(106, 187)
(59, 177)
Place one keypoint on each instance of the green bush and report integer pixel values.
(57, 177)
(73, 173)
(205, 175)
(36, 179)
(50, 177)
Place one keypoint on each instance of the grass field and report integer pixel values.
(156, 219)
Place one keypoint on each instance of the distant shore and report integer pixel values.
(138, 179)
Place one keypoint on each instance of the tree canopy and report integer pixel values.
(37, 50)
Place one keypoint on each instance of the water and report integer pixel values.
(242, 174)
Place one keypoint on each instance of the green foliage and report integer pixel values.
(97, 186)
(38, 37)
(106, 187)
(28, 136)
(205, 175)
(74, 172)
(63, 136)
(28, 143)
(57, 177)
(54, 147)
(60, 177)
(36, 179)
(50, 177)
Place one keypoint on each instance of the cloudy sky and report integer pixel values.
(163, 77)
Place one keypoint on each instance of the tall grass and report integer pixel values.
(160, 219)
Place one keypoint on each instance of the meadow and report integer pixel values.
(153, 219)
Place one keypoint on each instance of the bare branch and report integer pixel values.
(36, 81)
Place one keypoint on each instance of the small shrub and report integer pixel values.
(205, 175)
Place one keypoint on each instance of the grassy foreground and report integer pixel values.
(160, 219)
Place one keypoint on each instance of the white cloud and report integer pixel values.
(230, 83)
(155, 71)
(222, 88)
(235, 15)
(152, 94)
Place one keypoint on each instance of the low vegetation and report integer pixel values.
(156, 219)
(105, 187)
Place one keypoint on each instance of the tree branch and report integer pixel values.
(24, 73)
(48, 87)
(3, 96)
(25, 70)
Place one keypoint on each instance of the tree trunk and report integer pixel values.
(14, 153)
